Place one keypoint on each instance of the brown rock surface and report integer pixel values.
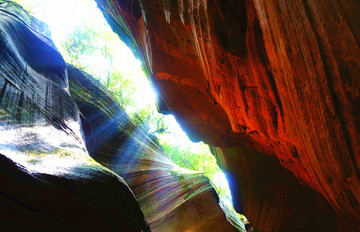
(281, 77)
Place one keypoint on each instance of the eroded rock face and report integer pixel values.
(48, 180)
(278, 77)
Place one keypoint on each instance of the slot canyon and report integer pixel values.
(272, 86)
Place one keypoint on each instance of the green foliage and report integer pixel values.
(202, 160)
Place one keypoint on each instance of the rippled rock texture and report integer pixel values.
(275, 78)
(52, 116)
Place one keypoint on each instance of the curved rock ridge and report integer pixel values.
(172, 198)
(279, 77)
(274, 200)
(48, 180)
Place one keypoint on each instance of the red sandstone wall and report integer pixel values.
(281, 77)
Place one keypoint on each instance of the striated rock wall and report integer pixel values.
(279, 77)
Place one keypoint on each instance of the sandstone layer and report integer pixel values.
(280, 78)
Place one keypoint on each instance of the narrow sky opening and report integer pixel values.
(64, 20)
